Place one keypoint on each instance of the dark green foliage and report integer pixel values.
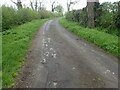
(59, 8)
(78, 16)
(8, 17)
(12, 17)
(106, 16)
(26, 15)
(98, 13)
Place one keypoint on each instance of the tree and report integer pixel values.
(59, 8)
(36, 5)
(118, 17)
(69, 3)
(18, 4)
(91, 12)
(31, 4)
(40, 6)
(53, 6)
(98, 13)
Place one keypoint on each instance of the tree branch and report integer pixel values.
(13, 2)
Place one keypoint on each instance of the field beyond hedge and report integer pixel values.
(15, 44)
(104, 40)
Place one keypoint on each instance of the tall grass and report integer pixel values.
(16, 42)
(104, 40)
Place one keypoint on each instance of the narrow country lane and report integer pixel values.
(60, 59)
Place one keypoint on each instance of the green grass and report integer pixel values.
(104, 40)
(15, 44)
(0, 60)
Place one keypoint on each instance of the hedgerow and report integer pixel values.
(106, 17)
(12, 17)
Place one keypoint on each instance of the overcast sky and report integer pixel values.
(79, 5)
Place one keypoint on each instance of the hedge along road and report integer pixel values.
(60, 59)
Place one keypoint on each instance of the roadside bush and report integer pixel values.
(47, 14)
(106, 17)
(69, 15)
(77, 16)
(44, 14)
(12, 17)
(26, 15)
(8, 17)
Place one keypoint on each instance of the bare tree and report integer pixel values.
(40, 4)
(70, 3)
(18, 4)
(52, 5)
(36, 5)
(40, 7)
(31, 4)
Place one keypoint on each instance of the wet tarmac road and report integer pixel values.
(60, 59)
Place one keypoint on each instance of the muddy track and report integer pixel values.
(60, 59)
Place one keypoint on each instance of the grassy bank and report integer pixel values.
(15, 44)
(0, 60)
(104, 40)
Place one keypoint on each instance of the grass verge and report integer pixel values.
(104, 40)
(0, 60)
(15, 44)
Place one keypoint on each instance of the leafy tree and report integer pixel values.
(59, 9)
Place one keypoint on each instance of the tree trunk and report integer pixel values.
(36, 5)
(52, 8)
(31, 4)
(91, 12)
